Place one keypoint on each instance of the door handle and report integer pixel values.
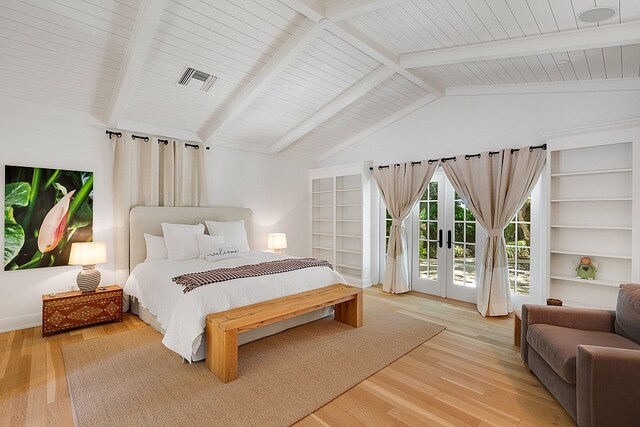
(440, 238)
(448, 239)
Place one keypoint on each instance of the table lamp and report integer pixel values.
(277, 242)
(88, 255)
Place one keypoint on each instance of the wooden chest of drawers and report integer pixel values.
(69, 310)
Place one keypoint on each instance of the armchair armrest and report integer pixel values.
(607, 386)
(569, 317)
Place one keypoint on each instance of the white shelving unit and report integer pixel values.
(340, 219)
(593, 211)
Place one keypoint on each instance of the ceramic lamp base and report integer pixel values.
(88, 279)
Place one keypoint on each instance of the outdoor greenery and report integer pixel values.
(52, 201)
(518, 237)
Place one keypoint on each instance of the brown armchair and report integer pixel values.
(588, 359)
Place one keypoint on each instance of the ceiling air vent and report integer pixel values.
(192, 77)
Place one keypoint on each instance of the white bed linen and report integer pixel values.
(184, 315)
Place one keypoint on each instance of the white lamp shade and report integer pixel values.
(88, 253)
(277, 241)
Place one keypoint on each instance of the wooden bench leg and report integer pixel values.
(222, 352)
(350, 312)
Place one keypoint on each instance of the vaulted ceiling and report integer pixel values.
(303, 77)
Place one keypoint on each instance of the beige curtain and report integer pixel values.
(401, 186)
(494, 188)
(153, 173)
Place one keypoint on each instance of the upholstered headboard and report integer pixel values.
(147, 219)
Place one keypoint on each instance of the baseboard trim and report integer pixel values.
(8, 324)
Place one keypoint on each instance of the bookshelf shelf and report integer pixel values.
(343, 240)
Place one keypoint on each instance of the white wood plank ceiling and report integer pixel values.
(64, 53)
(301, 77)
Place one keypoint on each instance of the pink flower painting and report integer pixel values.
(45, 211)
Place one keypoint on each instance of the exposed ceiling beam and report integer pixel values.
(588, 38)
(370, 47)
(302, 37)
(337, 104)
(312, 9)
(604, 85)
(379, 126)
(144, 28)
(339, 10)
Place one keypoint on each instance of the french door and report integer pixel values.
(442, 236)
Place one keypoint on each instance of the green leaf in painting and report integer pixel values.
(61, 188)
(13, 236)
(16, 194)
(82, 218)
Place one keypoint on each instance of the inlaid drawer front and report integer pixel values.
(82, 310)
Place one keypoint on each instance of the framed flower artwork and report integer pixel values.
(45, 211)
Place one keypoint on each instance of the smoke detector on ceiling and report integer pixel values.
(597, 14)
(191, 77)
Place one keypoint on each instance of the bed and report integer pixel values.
(181, 317)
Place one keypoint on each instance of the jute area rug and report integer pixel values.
(131, 379)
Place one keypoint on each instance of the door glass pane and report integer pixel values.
(518, 238)
(428, 233)
(464, 248)
(433, 231)
(388, 222)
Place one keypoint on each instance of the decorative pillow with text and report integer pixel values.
(222, 252)
(208, 243)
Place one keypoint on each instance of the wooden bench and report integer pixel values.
(223, 328)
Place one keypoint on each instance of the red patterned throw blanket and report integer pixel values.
(191, 281)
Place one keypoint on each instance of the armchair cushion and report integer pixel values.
(628, 312)
(567, 317)
(607, 389)
(558, 345)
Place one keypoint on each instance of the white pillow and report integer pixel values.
(181, 240)
(222, 252)
(233, 233)
(208, 244)
(156, 247)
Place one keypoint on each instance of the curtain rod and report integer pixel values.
(466, 156)
(146, 139)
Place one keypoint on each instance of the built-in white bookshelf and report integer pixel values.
(592, 200)
(340, 220)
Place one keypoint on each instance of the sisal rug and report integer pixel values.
(131, 379)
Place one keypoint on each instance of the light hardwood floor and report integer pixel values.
(470, 374)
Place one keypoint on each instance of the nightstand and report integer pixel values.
(69, 310)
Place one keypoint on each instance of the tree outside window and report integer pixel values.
(518, 238)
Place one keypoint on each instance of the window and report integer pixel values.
(428, 237)
(518, 237)
(464, 246)
(388, 222)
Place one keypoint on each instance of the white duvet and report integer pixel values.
(183, 315)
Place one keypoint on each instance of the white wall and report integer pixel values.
(468, 124)
(30, 140)
(276, 188)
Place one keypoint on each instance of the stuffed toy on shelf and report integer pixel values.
(586, 269)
